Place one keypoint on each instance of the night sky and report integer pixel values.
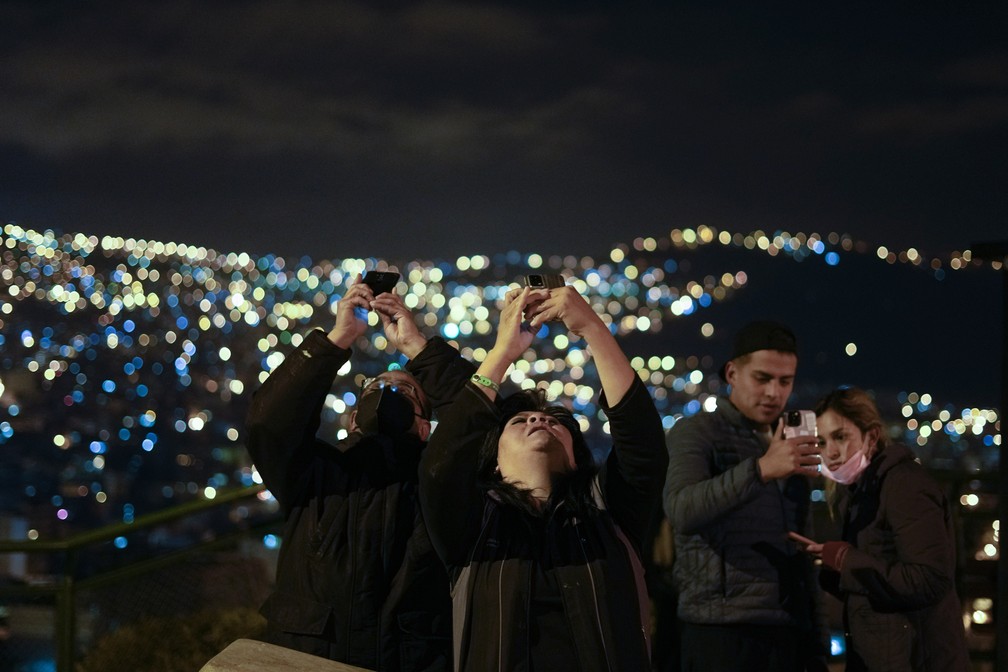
(427, 130)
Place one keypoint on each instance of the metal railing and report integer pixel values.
(66, 588)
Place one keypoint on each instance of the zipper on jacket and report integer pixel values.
(500, 617)
(724, 577)
(385, 570)
(353, 573)
(591, 577)
(467, 617)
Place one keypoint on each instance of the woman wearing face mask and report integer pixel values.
(542, 546)
(894, 569)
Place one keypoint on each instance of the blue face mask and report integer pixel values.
(385, 411)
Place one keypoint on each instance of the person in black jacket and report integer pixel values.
(543, 548)
(357, 580)
(894, 568)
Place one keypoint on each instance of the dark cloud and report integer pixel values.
(483, 125)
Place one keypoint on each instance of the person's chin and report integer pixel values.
(541, 441)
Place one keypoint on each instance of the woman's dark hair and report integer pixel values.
(574, 487)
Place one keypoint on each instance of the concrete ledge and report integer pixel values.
(249, 655)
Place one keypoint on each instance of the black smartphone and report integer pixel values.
(381, 282)
(544, 280)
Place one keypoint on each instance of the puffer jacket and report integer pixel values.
(357, 579)
(898, 578)
(734, 563)
(488, 545)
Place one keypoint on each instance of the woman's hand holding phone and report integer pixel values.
(811, 547)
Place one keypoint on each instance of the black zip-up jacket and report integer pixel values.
(357, 579)
(595, 561)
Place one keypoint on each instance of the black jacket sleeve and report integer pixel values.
(449, 496)
(634, 472)
(285, 413)
(441, 372)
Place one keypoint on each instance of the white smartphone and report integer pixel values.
(799, 423)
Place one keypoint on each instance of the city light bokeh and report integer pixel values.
(127, 364)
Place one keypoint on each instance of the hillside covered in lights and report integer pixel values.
(126, 365)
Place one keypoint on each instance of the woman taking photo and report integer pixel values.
(894, 569)
(542, 547)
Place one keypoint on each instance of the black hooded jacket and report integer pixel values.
(357, 579)
(495, 553)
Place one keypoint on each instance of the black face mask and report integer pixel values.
(385, 412)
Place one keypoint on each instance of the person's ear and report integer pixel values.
(872, 437)
(353, 421)
(423, 428)
(730, 371)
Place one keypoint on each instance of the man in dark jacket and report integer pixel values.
(735, 488)
(357, 580)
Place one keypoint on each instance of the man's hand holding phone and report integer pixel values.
(351, 314)
(785, 456)
(398, 324)
(381, 282)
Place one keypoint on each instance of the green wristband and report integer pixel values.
(485, 382)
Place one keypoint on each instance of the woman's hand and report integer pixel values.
(513, 337)
(813, 548)
(568, 306)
